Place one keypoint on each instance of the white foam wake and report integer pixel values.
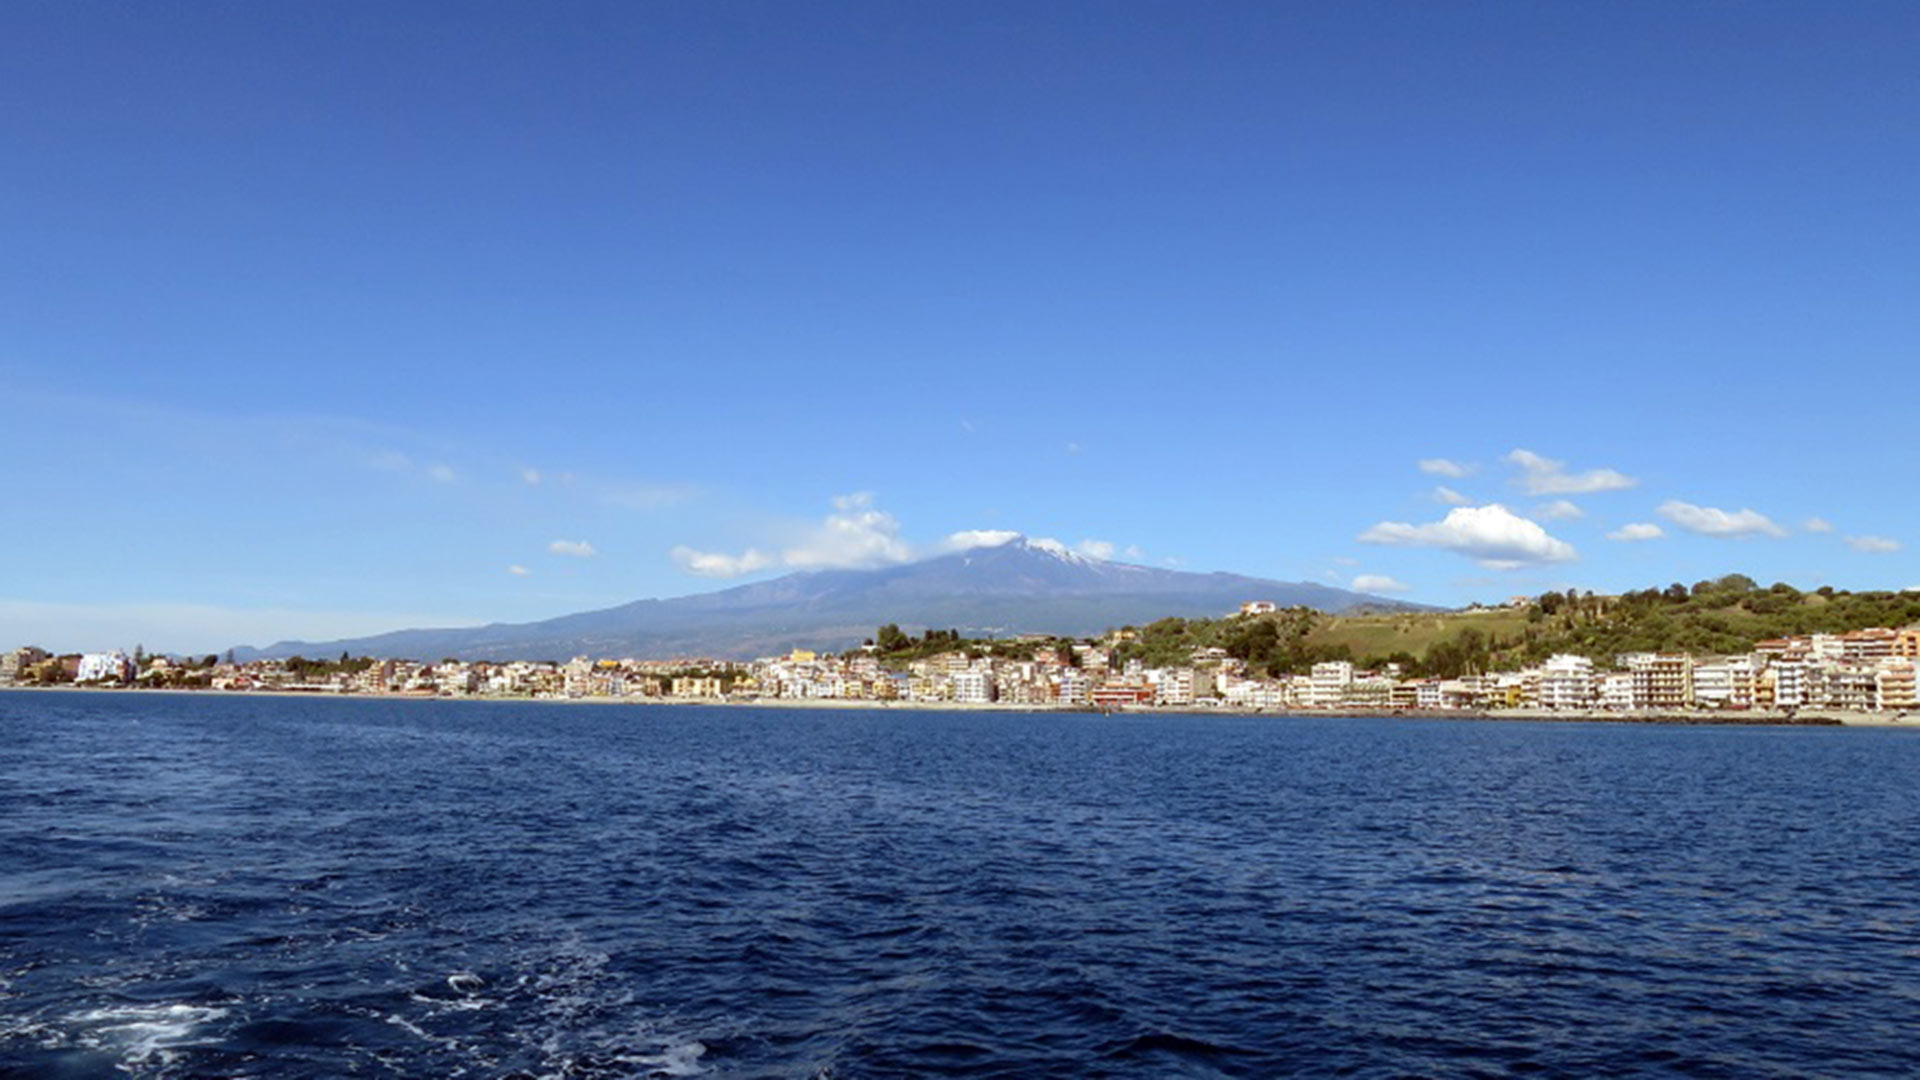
(142, 1034)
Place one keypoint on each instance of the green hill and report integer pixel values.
(1726, 615)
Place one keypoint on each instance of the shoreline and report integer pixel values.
(1803, 718)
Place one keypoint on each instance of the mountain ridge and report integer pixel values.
(1020, 586)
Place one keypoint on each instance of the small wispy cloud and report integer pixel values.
(1559, 510)
(1712, 521)
(1873, 545)
(575, 549)
(1546, 476)
(1102, 550)
(530, 475)
(720, 564)
(1448, 496)
(1637, 531)
(1379, 583)
(442, 474)
(518, 571)
(1817, 525)
(1439, 466)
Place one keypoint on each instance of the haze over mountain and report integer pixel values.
(1021, 586)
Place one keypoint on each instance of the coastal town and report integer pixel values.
(1870, 670)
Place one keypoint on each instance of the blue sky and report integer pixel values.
(333, 318)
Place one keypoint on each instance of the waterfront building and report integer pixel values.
(1370, 691)
(1328, 686)
(16, 663)
(1894, 685)
(973, 686)
(1851, 686)
(1567, 682)
(1790, 678)
(1907, 643)
(1616, 691)
(1875, 643)
(1172, 686)
(1427, 694)
(1662, 680)
(113, 667)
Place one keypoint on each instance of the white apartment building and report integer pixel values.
(1371, 692)
(1789, 682)
(1616, 691)
(1851, 686)
(1327, 688)
(1567, 682)
(1716, 685)
(1172, 686)
(1074, 686)
(973, 686)
(113, 666)
(1428, 695)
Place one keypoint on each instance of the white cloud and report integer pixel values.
(1097, 549)
(1492, 534)
(1817, 525)
(1638, 530)
(530, 475)
(1873, 545)
(1545, 476)
(518, 571)
(1135, 551)
(1711, 521)
(719, 564)
(1379, 583)
(578, 549)
(1449, 496)
(1559, 510)
(1073, 448)
(1439, 466)
(857, 535)
(968, 539)
(441, 473)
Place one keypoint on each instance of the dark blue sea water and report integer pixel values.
(274, 887)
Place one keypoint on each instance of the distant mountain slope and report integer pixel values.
(1018, 587)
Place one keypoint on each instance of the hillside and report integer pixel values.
(1727, 615)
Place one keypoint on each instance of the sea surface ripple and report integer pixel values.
(278, 887)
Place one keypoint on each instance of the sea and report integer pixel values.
(208, 886)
